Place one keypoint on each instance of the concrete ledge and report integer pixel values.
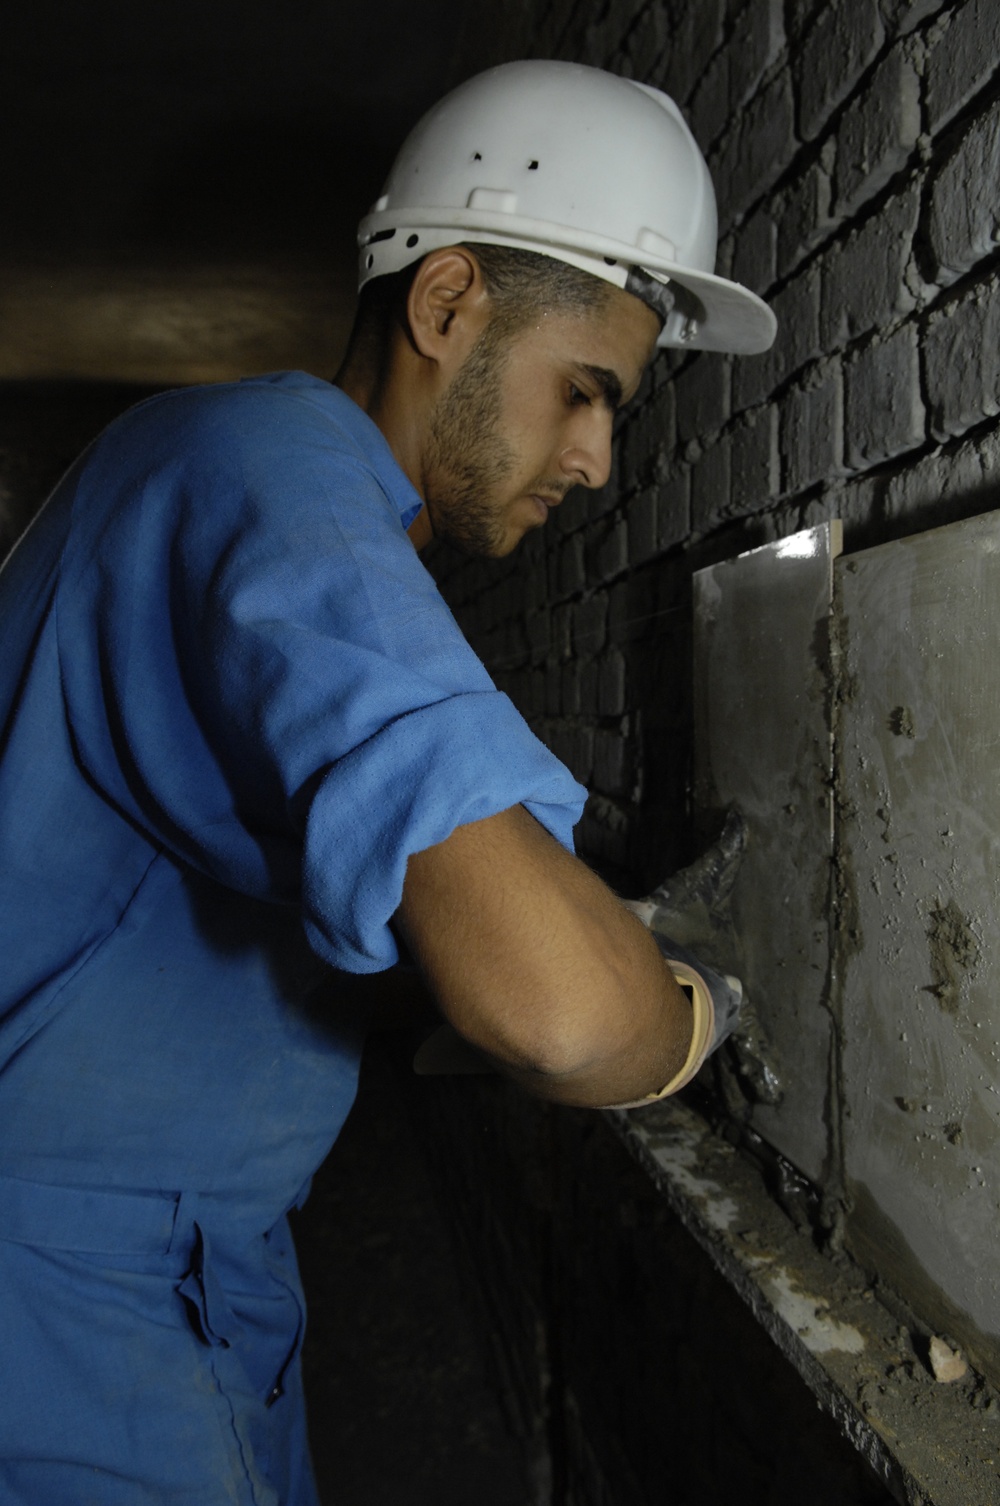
(933, 1444)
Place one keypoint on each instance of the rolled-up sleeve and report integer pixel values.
(442, 766)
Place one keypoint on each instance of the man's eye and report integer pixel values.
(576, 397)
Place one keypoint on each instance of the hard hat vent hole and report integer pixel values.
(369, 261)
(532, 167)
(610, 261)
(411, 240)
(477, 156)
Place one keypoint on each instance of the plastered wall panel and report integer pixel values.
(919, 733)
(762, 743)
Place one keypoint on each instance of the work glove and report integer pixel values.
(692, 906)
(716, 1000)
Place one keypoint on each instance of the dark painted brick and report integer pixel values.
(590, 620)
(570, 690)
(946, 484)
(756, 42)
(648, 439)
(863, 279)
(611, 554)
(648, 39)
(834, 54)
(961, 60)
(571, 566)
(806, 217)
(901, 16)
(756, 151)
(696, 36)
(605, 499)
(962, 357)
(878, 134)
(965, 199)
(710, 481)
(884, 409)
(562, 631)
(701, 393)
(552, 560)
(800, 16)
(796, 308)
(611, 685)
(612, 772)
(710, 106)
(812, 431)
(674, 511)
(589, 680)
(534, 573)
(618, 609)
(641, 519)
(755, 250)
(755, 478)
(553, 690)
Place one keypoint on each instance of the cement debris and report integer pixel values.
(946, 1363)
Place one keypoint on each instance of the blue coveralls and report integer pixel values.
(232, 703)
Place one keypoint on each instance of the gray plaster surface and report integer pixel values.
(919, 839)
(763, 743)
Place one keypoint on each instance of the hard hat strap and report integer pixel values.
(657, 295)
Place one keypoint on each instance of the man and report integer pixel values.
(246, 749)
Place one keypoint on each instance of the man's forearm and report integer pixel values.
(538, 965)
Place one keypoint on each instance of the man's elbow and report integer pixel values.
(574, 1036)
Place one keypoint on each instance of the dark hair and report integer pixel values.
(522, 283)
(519, 283)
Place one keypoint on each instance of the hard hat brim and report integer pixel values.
(735, 320)
(727, 316)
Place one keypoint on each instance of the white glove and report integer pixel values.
(691, 905)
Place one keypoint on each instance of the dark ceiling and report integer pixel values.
(136, 123)
(168, 140)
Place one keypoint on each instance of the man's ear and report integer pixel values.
(448, 305)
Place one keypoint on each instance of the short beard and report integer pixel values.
(469, 458)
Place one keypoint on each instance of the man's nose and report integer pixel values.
(587, 461)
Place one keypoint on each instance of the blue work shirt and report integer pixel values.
(233, 703)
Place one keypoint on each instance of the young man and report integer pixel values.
(246, 749)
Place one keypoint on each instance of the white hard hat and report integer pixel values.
(578, 164)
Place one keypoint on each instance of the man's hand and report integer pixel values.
(541, 968)
(692, 907)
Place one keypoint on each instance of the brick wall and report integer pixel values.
(855, 148)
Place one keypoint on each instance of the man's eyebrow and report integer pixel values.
(609, 383)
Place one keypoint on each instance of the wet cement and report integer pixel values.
(916, 719)
(953, 951)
